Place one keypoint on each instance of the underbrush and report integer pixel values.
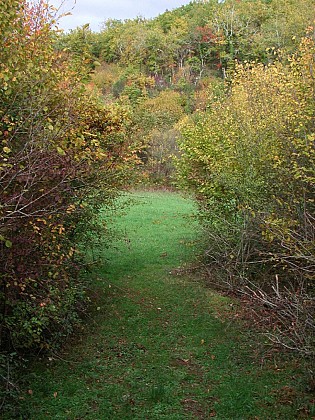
(249, 160)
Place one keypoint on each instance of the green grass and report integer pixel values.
(154, 347)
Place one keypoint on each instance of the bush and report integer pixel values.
(250, 160)
(63, 156)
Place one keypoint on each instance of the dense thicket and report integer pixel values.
(250, 159)
(63, 155)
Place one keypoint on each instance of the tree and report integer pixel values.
(63, 155)
(250, 160)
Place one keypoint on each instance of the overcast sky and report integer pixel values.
(95, 12)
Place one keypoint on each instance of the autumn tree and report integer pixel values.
(250, 161)
(63, 156)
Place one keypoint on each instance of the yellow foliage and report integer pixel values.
(255, 151)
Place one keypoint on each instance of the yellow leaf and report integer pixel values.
(61, 151)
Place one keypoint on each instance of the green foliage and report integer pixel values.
(79, 42)
(201, 36)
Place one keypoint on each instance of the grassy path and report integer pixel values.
(155, 348)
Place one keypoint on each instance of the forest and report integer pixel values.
(213, 99)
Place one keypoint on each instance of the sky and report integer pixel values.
(95, 12)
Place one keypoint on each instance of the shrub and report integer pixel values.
(250, 160)
(63, 155)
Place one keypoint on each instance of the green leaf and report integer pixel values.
(8, 244)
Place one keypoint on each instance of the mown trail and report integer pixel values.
(156, 347)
